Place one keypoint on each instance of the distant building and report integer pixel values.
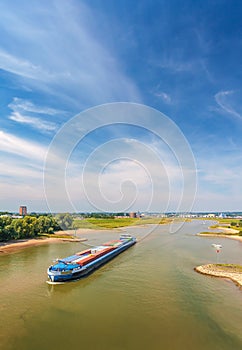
(22, 210)
(132, 215)
(16, 216)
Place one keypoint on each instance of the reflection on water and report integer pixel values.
(147, 297)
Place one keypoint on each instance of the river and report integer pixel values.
(149, 297)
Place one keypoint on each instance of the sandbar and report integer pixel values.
(228, 233)
(220, 271)
(227, 230)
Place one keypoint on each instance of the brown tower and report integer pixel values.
(23, 210)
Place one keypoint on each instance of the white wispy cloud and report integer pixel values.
(21, 171)
(80, 68)
(219, 182)
(221, 176)
(126, 173)
(23, 113)
(221, 99)
(16, 194)
(15, 145)
(164, 96)
(20, 66)
(10, 167)
(21, 105)
(34, 122)
(176, 65)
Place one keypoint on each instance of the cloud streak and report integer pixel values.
(164, 96)
(78, 68)
(21, 105)
(18, 146)
(19, 66)
(221, 99)
(35, 123)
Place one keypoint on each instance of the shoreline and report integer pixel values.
(225, 233)
(235, 237)
(216, 271)
(227, 229)
(13, 246)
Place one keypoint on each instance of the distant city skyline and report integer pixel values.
(60, 58)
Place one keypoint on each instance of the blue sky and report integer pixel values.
(59, 58)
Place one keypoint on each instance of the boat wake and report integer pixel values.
(53, 283)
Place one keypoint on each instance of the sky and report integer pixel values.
(61, 61)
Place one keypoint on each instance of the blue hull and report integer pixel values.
(90, 267)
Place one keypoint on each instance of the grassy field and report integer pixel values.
(110, 223)
(227, 220)
(211, 233)
(93, 223)
(238, 233)
(229, 267)
(55, 235)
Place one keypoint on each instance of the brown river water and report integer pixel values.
(149, 297)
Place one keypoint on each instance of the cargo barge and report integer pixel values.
(81, 264)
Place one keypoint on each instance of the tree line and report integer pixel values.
(237, 224)
(32, 226)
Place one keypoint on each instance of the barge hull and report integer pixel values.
(91, 266)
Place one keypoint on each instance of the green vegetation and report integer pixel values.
(109, 223)
(229, 267)
(45, 225)
(27, 227)
(227, 221)
(221, 233)
(65, 221)
(156, 221)
(211, 233)
(214, 226)
(239, 233)
(5, 213)
(61, 235)
(106, 223)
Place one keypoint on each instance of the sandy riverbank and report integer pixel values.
(229, 271)
(15, 245)
(227, 230)
(225, 233)
(220, 271)
(220, 235)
